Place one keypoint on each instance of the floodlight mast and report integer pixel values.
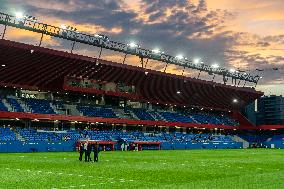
(104, 42)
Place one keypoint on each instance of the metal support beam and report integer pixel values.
(40, 39)
(100, 53)
(183, 71)
(142, 61)
(199, 74)
(146, 62)
(213, 77)
(124, 59)
(73, 44)
(166, 67)
(239, 82)
(5, 27)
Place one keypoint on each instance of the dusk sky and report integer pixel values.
(236, 34)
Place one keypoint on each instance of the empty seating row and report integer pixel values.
(6, 134)
(93, 111)
(15, 104)
(2, 106)
(40, 106)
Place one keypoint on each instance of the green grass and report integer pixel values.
(225, 169)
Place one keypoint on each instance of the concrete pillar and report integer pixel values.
(72, 126)
(184, 130)
(144, 129)
(124, 127)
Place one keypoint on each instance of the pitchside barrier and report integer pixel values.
(69, 146)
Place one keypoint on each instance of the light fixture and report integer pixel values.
(3, 65)
(63, 26)
(178, 92)
(19, 15)
(156, 51)
(235, 100)
(196, 60)
(179, 57)
(133, 45)
(215, 66)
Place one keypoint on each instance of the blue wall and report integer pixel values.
(277, 144)
(200, 145)
(17, 146)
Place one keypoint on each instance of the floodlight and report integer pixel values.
(133, 45)
(196, 60)
(19, 15)
(63, 26)
(156, 51)
(3, 65)
(215, 66)
(179, 57)
(178, 92)
(235, 101)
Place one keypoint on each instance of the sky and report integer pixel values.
(246, 35)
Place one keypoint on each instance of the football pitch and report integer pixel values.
(225, 169)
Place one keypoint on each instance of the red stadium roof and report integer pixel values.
(34, 67)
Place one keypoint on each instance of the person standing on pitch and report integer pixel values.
(81, 150)
(89, 150)
(86, 150)
(96, 152)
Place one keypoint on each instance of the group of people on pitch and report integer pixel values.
(87, 148)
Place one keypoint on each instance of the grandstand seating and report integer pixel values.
(43, 106)
(33, 135)
(58, 104)
(93, 111)
(6, 134)
(15, 104)
(176, 117)
(142, 114)
(40, 106)
(2, 106)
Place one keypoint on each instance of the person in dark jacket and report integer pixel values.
(96, 152)
(81, 150)
(88, 152)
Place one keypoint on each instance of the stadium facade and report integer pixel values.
(51, 99)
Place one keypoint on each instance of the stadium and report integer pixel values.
(153, 129)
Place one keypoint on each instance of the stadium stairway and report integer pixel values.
(122, 114)
(54, 108)
(73, 110)
(236, 138)
(131, 113)
(9, 106)
(19, 136)
(24, 105)
(157, 116)
(244, 122)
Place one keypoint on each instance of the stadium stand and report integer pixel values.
(6, 134)
(15, 104)
(2, 106)
(40, 106)
(92, 111)
(32, 135)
